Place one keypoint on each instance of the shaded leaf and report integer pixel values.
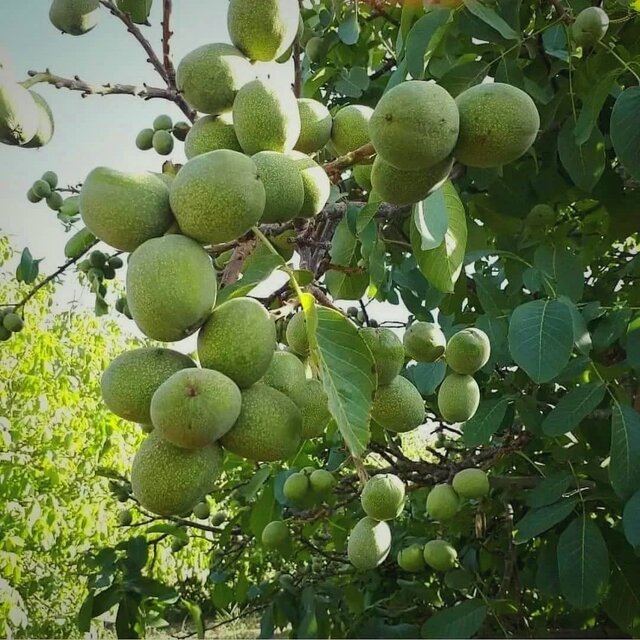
(541, 338)
(583, 563)
(624, 470)
(486, 421)
(461, 621)
(631, 519)
(490, 17)
(442, 266)
(623, 601)
(419, 41)
(346, 370)
(537, 521)
(573, 408)
(624, 130)
(584, 162)
(549, 490)
(349, 29)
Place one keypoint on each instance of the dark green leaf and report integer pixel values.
(349, 29)
(250, 490)
(267, 624)
(573, 408)
(346, 370)
(426, 376)
(537, 521)
(625, 133)
(419, 41)
(487, 420)
(28, 268)
(460, 77)
(631, 519)
(584, 163)
(171, 529)
(623, 601)
(624, 470)
(151, 588)
(563, 267)
(583, 563)
(126, 617)
(262, 511)
(442, 266)
(549, 490)
(541, 338)
(106, 599)
(581, 335)
(85, 614)
(547, 578)
(592, 104)
(555, 43)
(461, 621)
(490, 17)
(196, 616)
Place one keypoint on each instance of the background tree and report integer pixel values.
(540, 254)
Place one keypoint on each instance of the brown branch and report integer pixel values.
(50, 278)
(387, 65)
(232, 271)
(322, 298)
(77, 84)
(560, 10)
(167, 8)
(152, 57)
(361, 154)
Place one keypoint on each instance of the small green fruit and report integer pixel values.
(51, 177)
(590, 26)
(297, 334)
(313, 403)
(369, 544)
(351, 128)
(286, 373)
(383, 496)
(317, 186)
(55, 201)
(275, 535)
(387, 351)
(32, 197)
(296, 487)
(471, 483)
(398, 406)
(411, 558)
(5, 334)
(468, 351)
(163, 142)
(125, 518)
(442, 502)
(181, 130)
(322, 481)
(13, 322)
(458, 398)
(41, 188)
(424, 342)
(210, 133)
(97, 259)
(162, 123)
(202, 510)
(144, 140)
(440, 555)
(109, 272)
(75, 17)
(315, 125)
(115, 262)
(178, 544)
(218, 518)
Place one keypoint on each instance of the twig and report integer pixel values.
(322, 298)
(560, 10)
(232, 271)
(297, 67)
(77, 84)
(166, 45)
(361, 154)
(387, 65)
(58, 272)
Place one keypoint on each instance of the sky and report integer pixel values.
(95, 130)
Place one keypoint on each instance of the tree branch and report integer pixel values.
(167, 7)
(77, 84)
(361, 154)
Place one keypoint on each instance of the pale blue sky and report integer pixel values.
(94, 130)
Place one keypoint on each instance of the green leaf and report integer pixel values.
(563, 267)
(366, 215)
(28, 268)
(624, 470)
(549, 490)
(344, 251)
(490, 17)
(430, 220)
(631, 520)
(426, 376)
(126, 617)
(461, 621)
(554, 40)
(547, 579)
(85, 614)
(537, 521)
(581, 335)
(623, 601)
(592, 104)
(541, 338)
(151, 588)
(262, 511)
(250, 490)
(196, 616)
(346, 370)
(460, 77)
(486, 421)
(105, 600)
(624, 130)
(419, 41)
(257, 267)
(573, 408)
(442, 266)
(349, 29)
(584, 162)
(583, 563)
(171, 529)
